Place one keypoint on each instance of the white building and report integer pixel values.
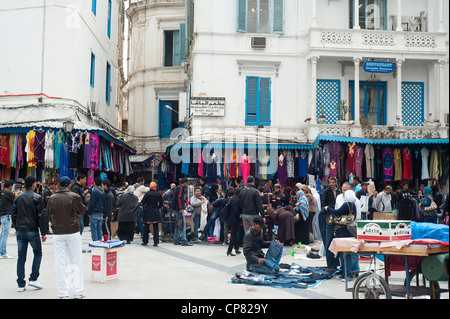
(60, 62)
(275, 64)
(61, 52)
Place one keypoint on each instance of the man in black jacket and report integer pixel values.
(329, 196)
(28, 218)
(178, 206)
(251, 204)
(253, 244)
(6, 207)
(78, 188)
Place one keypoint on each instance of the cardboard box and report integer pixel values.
(384, 216)
(384, 230)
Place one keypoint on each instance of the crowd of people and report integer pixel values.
(235, 216)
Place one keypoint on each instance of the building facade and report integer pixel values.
(60, 63)
(258, 66)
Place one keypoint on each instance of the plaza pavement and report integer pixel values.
(201, 271)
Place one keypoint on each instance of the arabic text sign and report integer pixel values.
(208, 106)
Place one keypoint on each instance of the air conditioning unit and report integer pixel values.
(258, 43)
(94, 109)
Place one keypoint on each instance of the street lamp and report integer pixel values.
(170, 108)
(68, 126)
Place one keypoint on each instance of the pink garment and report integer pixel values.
(245, 167)
(200, 163)
(94, 151)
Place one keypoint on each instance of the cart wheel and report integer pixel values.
(371, 286)
(417, 279)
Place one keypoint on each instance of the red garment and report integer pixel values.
(351, 158)
(4, 150)
(406, 164)
(234, 165)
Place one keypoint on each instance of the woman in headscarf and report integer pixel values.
(152, 203)
(301, 227)
(429, 212)
(349, 207)
(126, 204)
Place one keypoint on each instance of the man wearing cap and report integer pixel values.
(63, 209)
(253, 244)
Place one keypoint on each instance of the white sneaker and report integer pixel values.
(63, 297)
(21, 289)
(79, 296)
(35, 284)
(5, 257)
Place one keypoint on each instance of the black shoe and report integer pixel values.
(143, 244)
(230, 254)
(238, 251)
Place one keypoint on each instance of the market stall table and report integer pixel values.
(405, 248)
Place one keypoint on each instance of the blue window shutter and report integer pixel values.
(183, 43)
(242, 7)
(176, 48)
(94, 7)
(165, 119)
(92, 80)
(278, 16)
(264, 101)
(109, 18)
(108, 82)
(252, 96)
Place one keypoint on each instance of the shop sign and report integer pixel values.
(379, 67)
(207, 106)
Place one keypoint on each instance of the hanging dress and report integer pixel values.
(424, 152)
(359, 157)
(49, 149)
(369, 152)
(39, 149)
(407, 158)
(351, 158)
(387, 157)
(95, 151)
(282, 170)
(60, 139)
(29, 149)
(4, 150)
(397, 165)
(245, 167)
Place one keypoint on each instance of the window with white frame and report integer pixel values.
(372, 14)
(260, 16)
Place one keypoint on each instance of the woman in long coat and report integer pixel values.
(126, 204)
(152, 203)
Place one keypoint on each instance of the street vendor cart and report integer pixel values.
(373, 286)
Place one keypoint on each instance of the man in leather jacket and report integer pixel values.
(63, 209)
(251, 204)
(28, 218)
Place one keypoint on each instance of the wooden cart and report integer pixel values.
(372, 286)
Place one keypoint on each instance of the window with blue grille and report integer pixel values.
(413, 105)
(108, 83)
(257, 101)
(92, 79)
(260, 16)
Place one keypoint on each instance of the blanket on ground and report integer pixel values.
(290, 276)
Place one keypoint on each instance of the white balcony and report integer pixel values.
(429, 45)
